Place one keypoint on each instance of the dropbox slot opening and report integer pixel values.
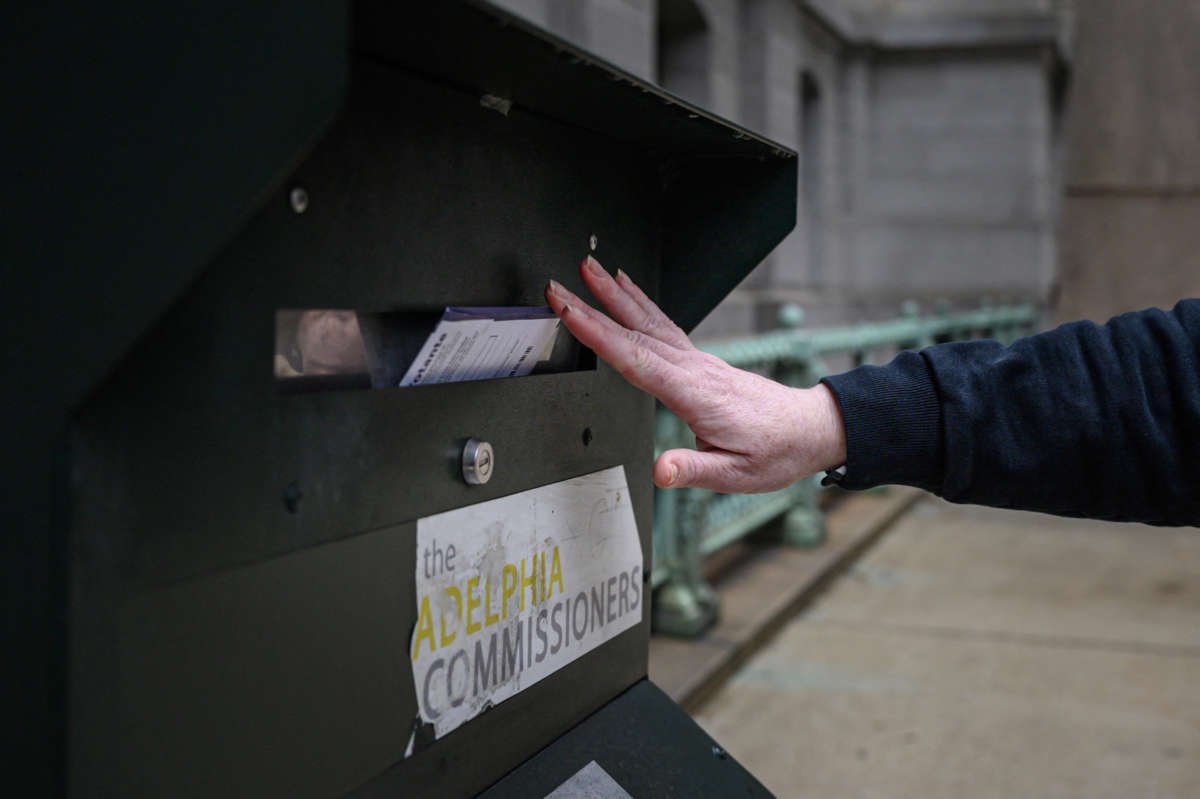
(326, 349)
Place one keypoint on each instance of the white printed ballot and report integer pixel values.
(483, 343)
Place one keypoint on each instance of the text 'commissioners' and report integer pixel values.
(511, 590)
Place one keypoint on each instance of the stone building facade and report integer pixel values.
(1130, 233)
(928, 133)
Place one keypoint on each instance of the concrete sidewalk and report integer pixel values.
(976, 652)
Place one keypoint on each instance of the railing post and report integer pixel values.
(690, 522)
(803, 525)
(685, 604)
(989, 330)
(941, 312)
(910, 311)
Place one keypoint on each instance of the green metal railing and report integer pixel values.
(690, 523)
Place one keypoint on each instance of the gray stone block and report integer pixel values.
(622, 31)
(877, 8)
(736, 316)
(939, 92)
(994, 199)
(951, 260)
(536, 11)
(975, 152)
(923, 173)
(1120, 253)
(1135, 99)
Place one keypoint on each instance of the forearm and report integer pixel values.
(1086, 420)
(1090, 420)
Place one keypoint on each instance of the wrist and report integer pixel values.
(828, 430)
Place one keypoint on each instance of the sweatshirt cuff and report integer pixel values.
(893, 424)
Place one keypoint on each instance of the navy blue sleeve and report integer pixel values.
(1101, 421)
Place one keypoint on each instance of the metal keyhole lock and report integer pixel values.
(478, 462)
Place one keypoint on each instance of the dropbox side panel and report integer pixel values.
(226, 639)
(646, 744)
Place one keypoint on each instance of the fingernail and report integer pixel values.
(594, 267)
(566, 310)
(672, 475)
(621, 274)
(556, 288)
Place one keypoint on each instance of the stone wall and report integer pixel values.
(925, 130)
(956, 191)
(1130, 235)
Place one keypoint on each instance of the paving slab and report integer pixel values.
(983, 653)
(952, 567)
(761, 584)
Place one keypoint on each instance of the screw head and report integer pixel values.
(299, 200)
(593, 242)
(292, 496)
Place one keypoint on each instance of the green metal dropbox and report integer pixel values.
(218, 579)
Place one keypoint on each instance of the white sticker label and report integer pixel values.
(590, 782)
(510, 591)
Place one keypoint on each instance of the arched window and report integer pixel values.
(683, 51)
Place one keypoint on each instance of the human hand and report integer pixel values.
(752, 434)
